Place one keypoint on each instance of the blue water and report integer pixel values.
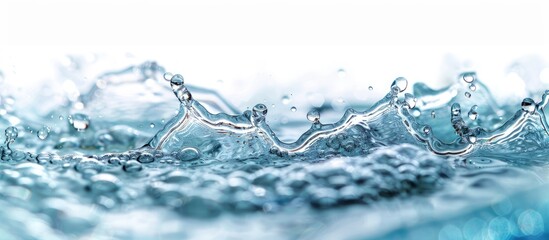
(141, 155)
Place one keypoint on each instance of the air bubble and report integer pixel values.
(433, 114)
(152, 125)
(293, 109)
(313, 116)
(468, 94)
(370, 88)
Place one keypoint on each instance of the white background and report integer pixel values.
(261, 50)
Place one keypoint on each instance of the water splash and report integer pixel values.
(202, 165)
(194, 121)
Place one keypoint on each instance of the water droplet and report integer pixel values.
(473, 114)
(101, 84)
(11, 134)
(61, 117)
(152, 125)
(89, 164)
(146, 158)
(168, 76)
(456, 109)
(472, 87)
(370, 88)
(400, 84)
(313, 116)
(293, 109)
(79, 121)
(259, 111)
(410, 100)
(178, 87)
(416, 112)
(469, 77)
(132, 166)
(315, 99)
(427, 129)
(468, 94)
(528, 105)
(285, 99)
(188, 154)
(43, 133)
(104, 183)
(341, 73)
(433, 114)
(472, 138)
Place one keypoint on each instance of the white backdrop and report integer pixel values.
(260, 50)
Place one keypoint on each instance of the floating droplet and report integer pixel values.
(285, 99)
(293, 109)
(79, 121)
(168, 76)
(313, 116)
(11, 134)
(400, 84)
(473, 114)
(528, 105)
(410, 100)
(472, 87)
(469, 77)
(370, 88)
(43, 133)
(468, 94)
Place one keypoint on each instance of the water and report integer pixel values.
(104, 164)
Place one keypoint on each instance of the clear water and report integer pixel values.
(140, 155)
